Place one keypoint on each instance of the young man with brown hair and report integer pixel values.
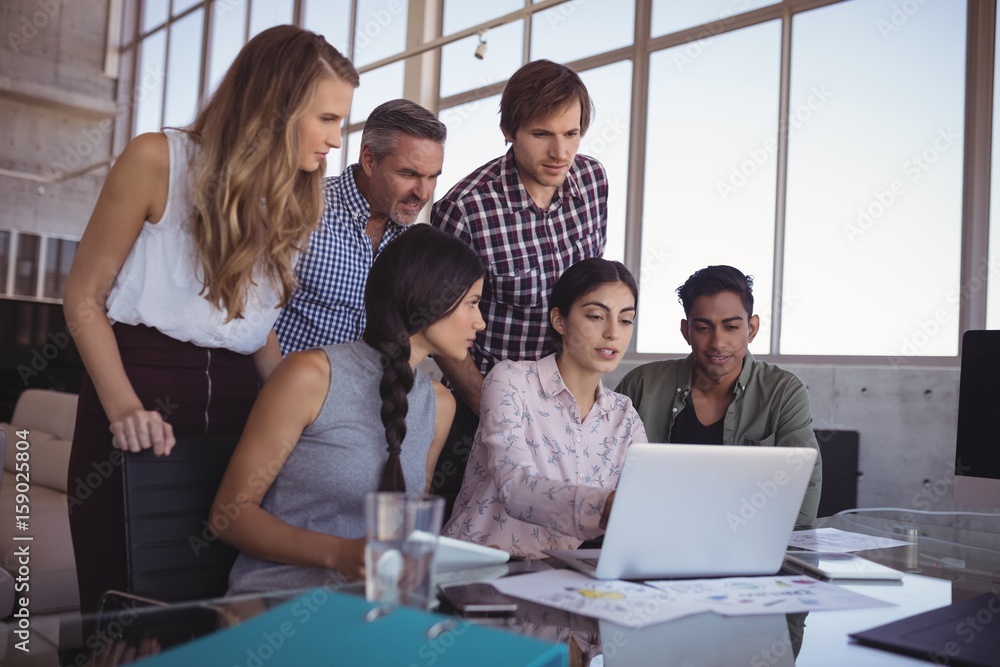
(530, 215)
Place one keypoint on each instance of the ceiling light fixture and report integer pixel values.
(481, 49)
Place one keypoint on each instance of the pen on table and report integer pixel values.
(774, 602)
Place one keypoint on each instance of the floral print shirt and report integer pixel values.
(539, 473)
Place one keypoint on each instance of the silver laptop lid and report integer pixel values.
(703, 510)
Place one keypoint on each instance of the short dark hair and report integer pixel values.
(715, 279)
(390, 119)
(540, 89)
(584, 277)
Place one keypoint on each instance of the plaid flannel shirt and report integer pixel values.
(523, 248)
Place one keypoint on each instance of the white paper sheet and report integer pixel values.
(840, 541)
(743, 596)
(630, 604)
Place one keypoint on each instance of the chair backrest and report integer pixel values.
(172, 555)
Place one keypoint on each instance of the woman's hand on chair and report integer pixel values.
(143, 429)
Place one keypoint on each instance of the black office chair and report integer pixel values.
(171, 553)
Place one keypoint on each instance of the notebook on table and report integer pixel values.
(684, 511)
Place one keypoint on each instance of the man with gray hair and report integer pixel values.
(367, 206)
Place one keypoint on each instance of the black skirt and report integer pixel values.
(199, 391)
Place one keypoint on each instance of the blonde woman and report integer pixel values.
(183, 267)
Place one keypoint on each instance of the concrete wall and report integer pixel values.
(56, 112)
(906, 418)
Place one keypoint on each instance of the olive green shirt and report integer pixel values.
(771, 409)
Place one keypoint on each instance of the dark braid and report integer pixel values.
(418, 279)
(397, 380)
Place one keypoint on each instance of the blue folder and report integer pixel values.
(324, 627)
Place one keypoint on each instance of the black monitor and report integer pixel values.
(977, 451)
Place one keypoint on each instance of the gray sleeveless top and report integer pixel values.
(338, 459)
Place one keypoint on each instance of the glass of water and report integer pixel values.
(402, 534)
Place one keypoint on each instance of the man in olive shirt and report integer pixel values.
(719, 394)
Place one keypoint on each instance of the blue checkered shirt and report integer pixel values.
(523, 248)
(328, 305)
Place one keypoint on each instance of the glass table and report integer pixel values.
(951, 558)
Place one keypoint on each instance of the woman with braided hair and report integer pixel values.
(334, 423)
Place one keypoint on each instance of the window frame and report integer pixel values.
(422, 83)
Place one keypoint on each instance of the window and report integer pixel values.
(26, 267)
(153, 67)
(462, 71)
(58, 258)
(474, 138)
(377, 86)
(576, 30)
(836, 181)
(875, 181)
(709, 184)
(228, 37)
(607, 139)
(34, 267)
(462, 14)
(330, 19)
(269, 13)
(183, 64)
(4, 259)
(379, 32)
(674, 15)
(989, 273)
(154, 13)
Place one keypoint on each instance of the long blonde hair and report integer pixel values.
(255, 207)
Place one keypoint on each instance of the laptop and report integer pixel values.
(686, 511)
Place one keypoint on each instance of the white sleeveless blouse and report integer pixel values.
(160, 286)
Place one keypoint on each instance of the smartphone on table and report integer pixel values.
(477, 598)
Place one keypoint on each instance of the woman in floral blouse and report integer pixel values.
(552, 438)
